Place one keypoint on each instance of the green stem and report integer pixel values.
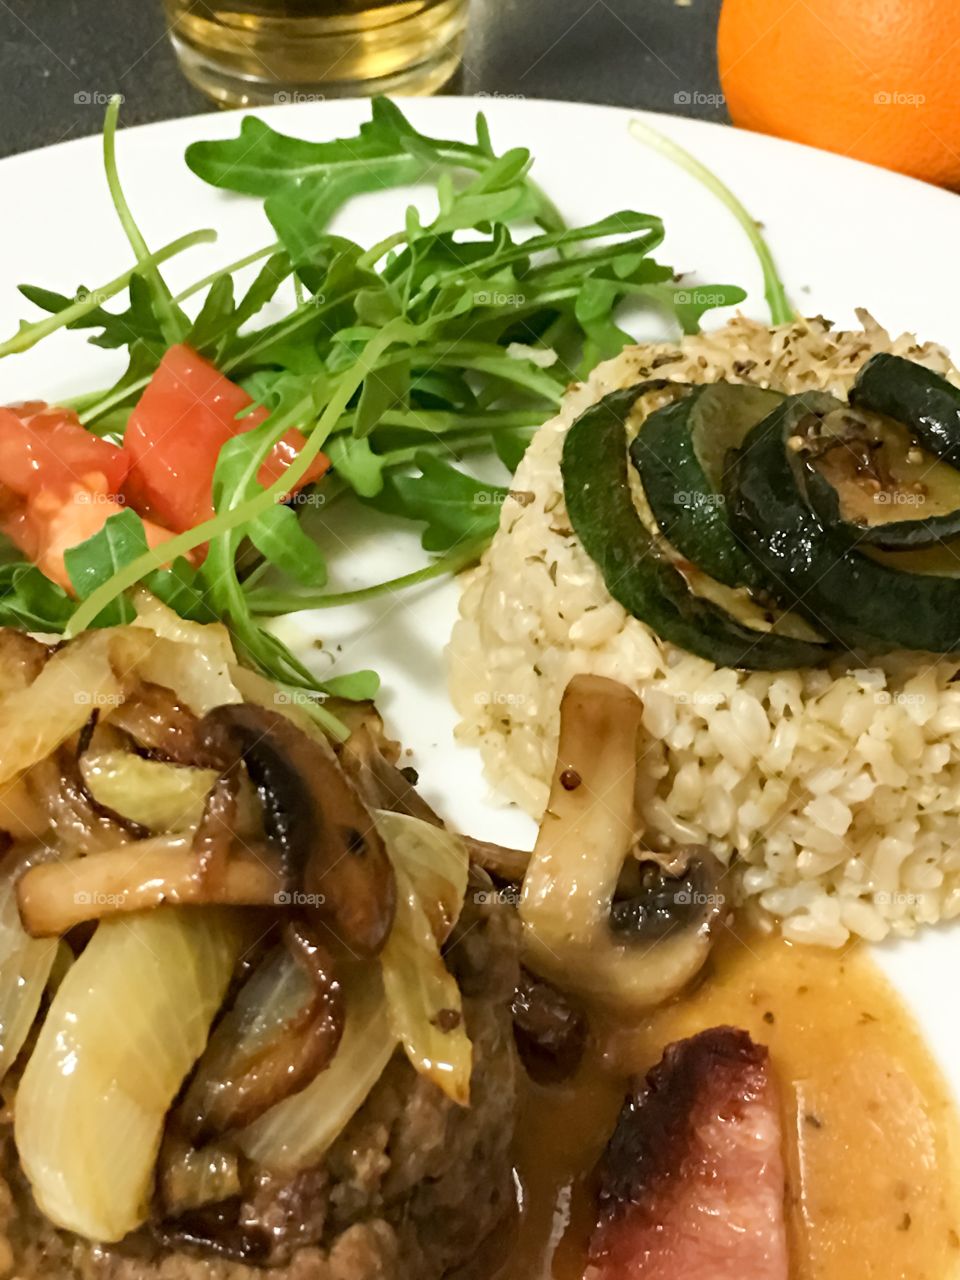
(781, 309)
(266, 604)
(257, 256)
(171, 325)
(30, 334)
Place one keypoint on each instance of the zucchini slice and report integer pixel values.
(868, 477)
(680, 454)
(919, 398)
(638, 575)
(849, 596)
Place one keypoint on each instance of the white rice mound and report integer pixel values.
(834, 795)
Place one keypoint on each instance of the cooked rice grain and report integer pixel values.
(839, 790)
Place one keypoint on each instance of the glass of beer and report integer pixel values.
(245, 52)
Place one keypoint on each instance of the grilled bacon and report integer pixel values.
(692, 1182)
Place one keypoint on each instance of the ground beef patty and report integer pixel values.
(416, 1188)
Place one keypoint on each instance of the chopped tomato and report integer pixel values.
(174, 436)
(45, 448)
(53, 522)
(58, 485)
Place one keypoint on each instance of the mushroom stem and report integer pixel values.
(588, 830)
(55, 896)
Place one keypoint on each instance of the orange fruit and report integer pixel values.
(878, 80)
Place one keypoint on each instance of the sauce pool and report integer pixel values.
(872, 1142)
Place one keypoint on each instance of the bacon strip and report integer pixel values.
(691, 1186)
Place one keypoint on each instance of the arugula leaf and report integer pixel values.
(384, 388)
(276, 533)
(387, 152)
(30, 332)
(95, 561)
(214, 318)
(689, 303)
(30, 601)
(510, 444)
(182, 589)
(353, 460)
(455, 507)
(117, 328)
(358, 686)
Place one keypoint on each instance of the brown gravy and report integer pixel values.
(872, 1142)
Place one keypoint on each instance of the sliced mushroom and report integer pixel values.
(215, 836)
(653, 900)
(55, 896)
(630, 955)
(328, 845)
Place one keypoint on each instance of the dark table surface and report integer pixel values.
(59, 58)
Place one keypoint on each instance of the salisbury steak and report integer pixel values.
(415, 1188)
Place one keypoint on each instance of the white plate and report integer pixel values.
(844, 235)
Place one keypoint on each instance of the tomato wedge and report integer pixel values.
(58, 485)
(43, 447)
(175, 434)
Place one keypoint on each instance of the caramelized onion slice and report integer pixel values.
(435, 860)
(299, 1131)
(127, 1024)
(162, 726)
(194, 659)
(25, 965)
(55, 896)
(152, 793)
(189, 1178)
(426, 1010)
(22, 658)
(35, 720)
(283, 1029)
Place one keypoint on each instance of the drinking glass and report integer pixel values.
(243, 52)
